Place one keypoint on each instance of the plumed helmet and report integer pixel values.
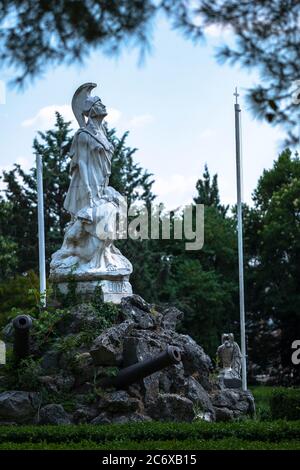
(82, 102)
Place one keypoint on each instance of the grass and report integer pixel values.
(262, 395)
(222, 444)
(154, 436)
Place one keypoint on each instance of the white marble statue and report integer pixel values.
(230, 358)
(88, 253)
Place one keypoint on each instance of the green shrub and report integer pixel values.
(22, 376)
(17, 293)
(262, 396)
(247, 430)
(285, 403)
(44, 328)
(222, 444)
(28, 373)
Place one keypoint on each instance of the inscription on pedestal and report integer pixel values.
(118, 287)
(113, 291)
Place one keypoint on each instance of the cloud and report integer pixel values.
(113, 116)
(26, 164)
(140, 121)
(45, 117)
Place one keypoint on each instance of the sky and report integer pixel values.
(178, 106)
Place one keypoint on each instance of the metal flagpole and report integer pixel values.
(237, 111)
(41, 229)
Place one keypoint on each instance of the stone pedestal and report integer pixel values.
(228, 379)
(112, 289)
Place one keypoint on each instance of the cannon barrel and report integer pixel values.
(22, 325)
(140, 370)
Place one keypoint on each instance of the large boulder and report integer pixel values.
(172, 379)
(144, 315)
(57, 383)
(194, 359)
(139, 346)
(53, 414)
(50, 360)
(171, 407)
(84, 414)
(18, 406)
(107, 418)
(107, 349)
(83, 368)
(171, 317)
(142, 344)
(119, 401)
(79, 318)
(200, 398)
(232, 404)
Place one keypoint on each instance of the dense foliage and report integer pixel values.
(275, 431)
(285, 404)
(184, 445)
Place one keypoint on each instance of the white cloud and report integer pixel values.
(25, 162)
(45, 117)
(113, 116)
(140, 121)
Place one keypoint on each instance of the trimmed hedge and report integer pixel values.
(140, 432)
(221, 444)
(285, 403)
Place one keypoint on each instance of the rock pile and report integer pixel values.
(69, 389)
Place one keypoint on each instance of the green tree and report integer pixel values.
(21, 193)
(203, 283)
(8, 248)
(274, 259)
(208, 192)
(128, 177)
(8, 257)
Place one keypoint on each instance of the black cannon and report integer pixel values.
(140, 370)
(22, 325)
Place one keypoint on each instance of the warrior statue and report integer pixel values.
(88, 254)
(230, 358)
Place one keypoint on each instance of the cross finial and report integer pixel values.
(236, 94)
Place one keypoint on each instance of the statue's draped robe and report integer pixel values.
(88, 243)
(96, 155)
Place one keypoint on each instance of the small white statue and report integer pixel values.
(230, 358)
(88, 254)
